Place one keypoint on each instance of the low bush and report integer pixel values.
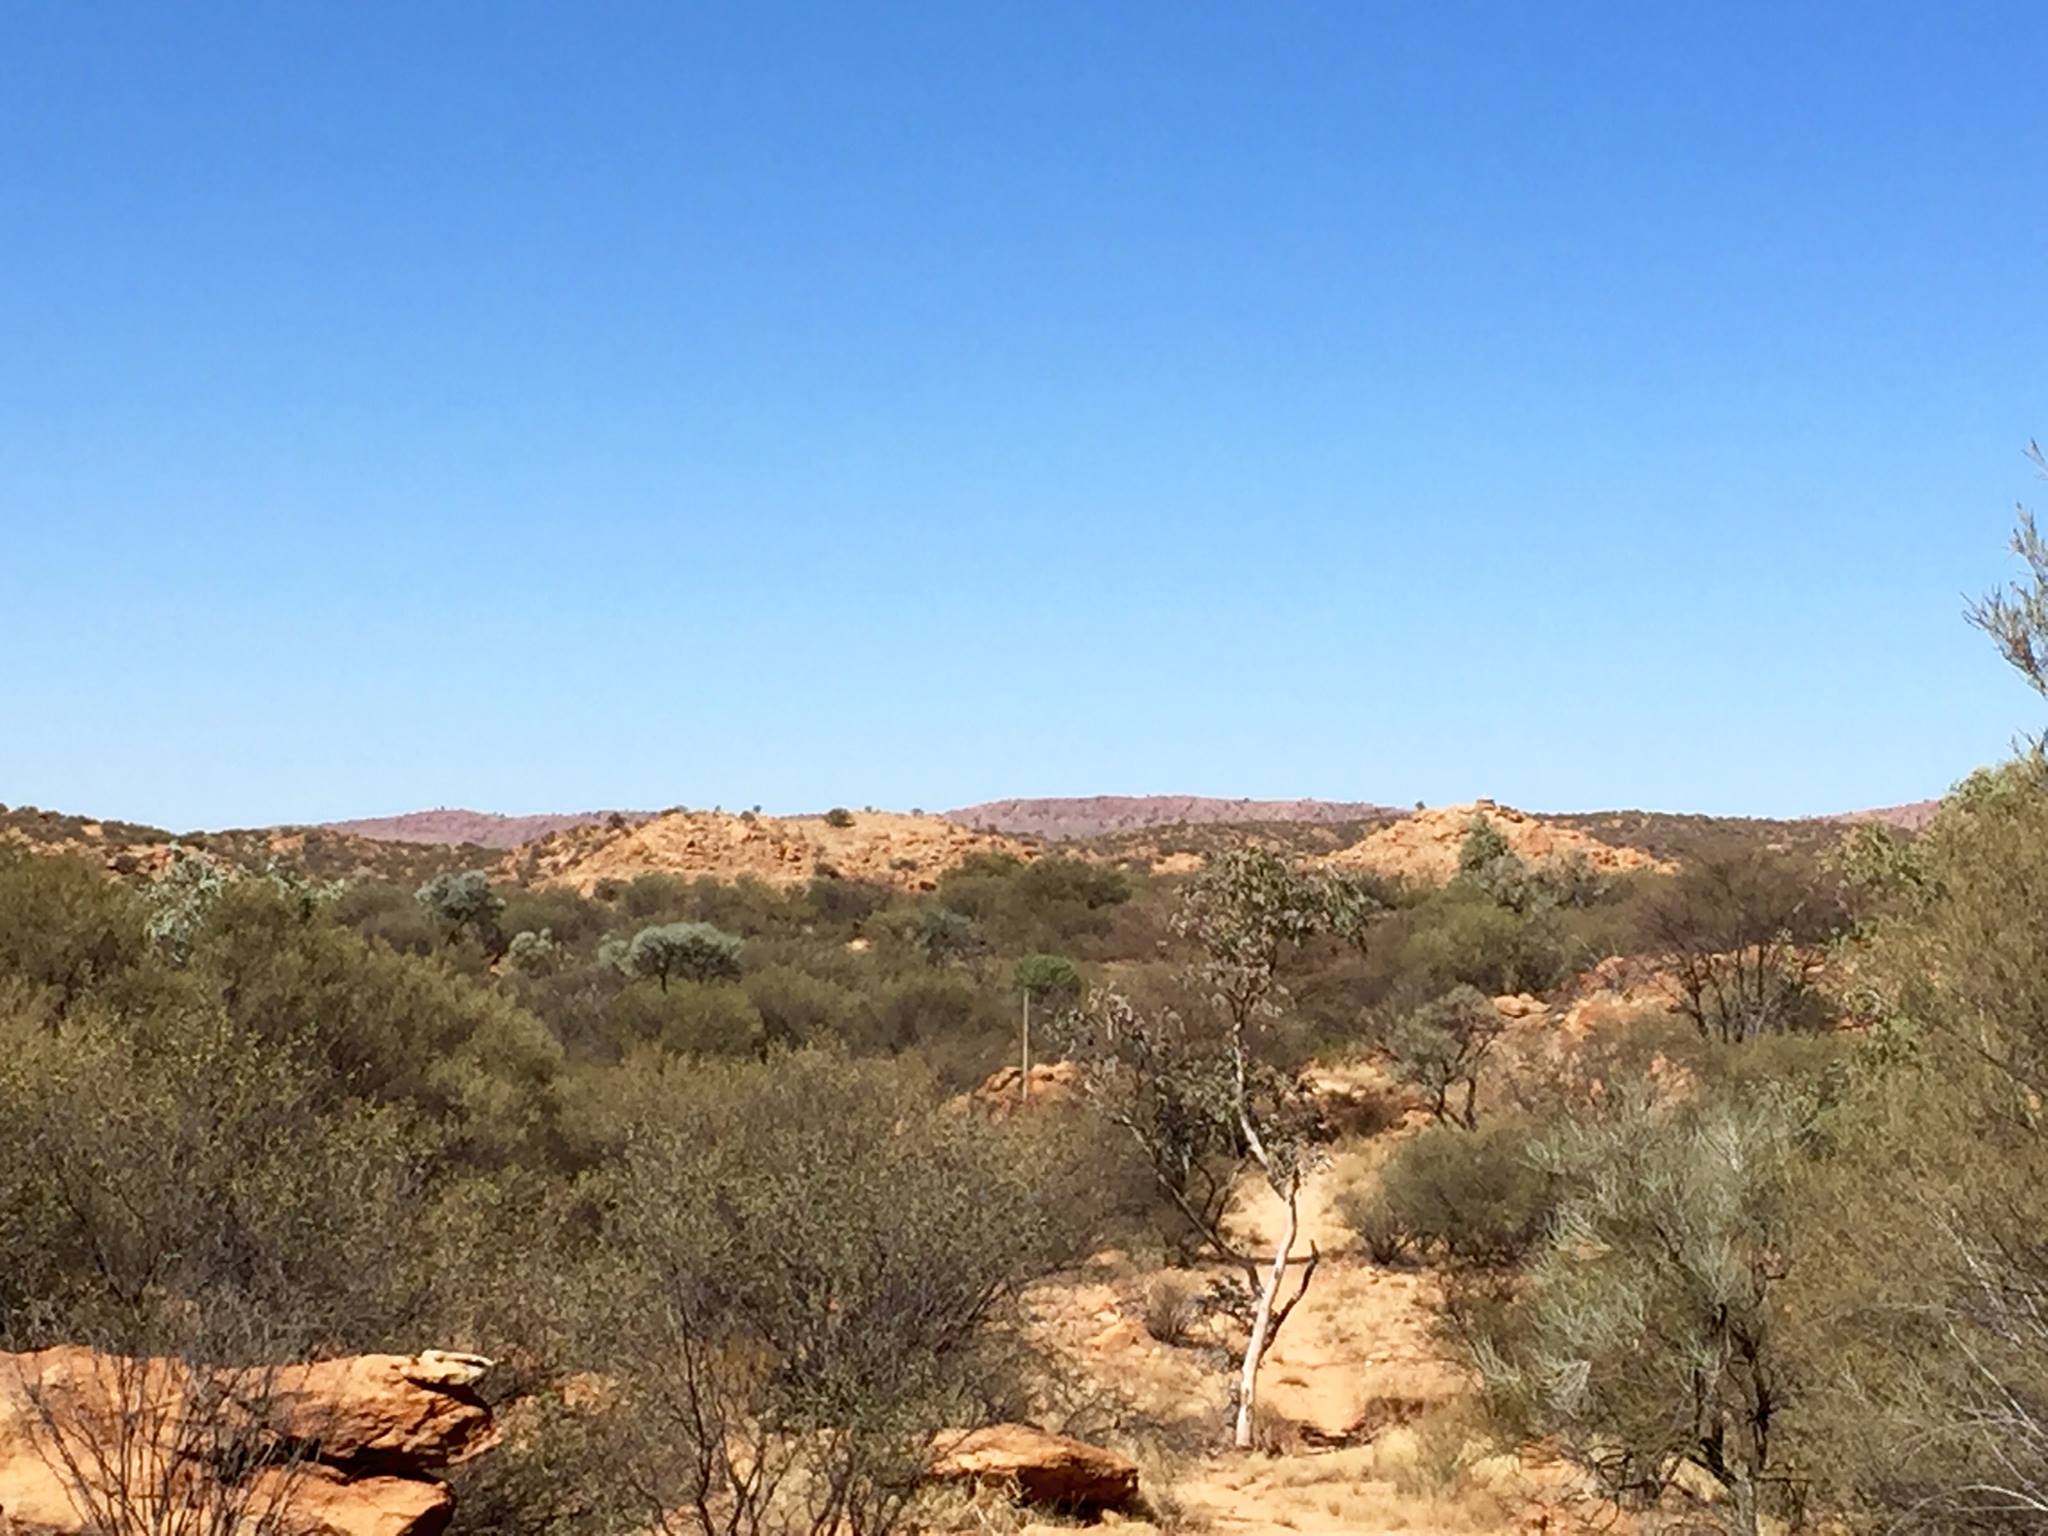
(1172, 1305)
(1470, 1197)
(691, 1018)
(816, 1271)
(798, 1008)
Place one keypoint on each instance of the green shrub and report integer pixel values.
(690, 1018)
(386, 1026)
(1468, 1196)
(812, 1261)
(388, 914)
(572, 1003)
(65, 929)
(943, 936)
(176, 1184)
(574, 920)
(1734, 933)
(679, 951)
(465, 905)
(653, 895)
(963, 1030)
(1651, 1330)
(1441, 1048)
(798, 1008)
(1172, 1305)
(1047, 978)
(535, 954)
(1047, 904)
(1379, 1228)
(1460, 936)
(844, 904)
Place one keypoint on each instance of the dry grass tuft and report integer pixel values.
(1172, 1304)
(1433, 1454)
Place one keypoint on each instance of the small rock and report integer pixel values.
(1046, 1469)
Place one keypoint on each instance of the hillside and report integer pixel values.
(129, 848)
(1907, 818)
(887, 848)
(1086, 816)
(453, 825)
(1684, 838)
(1424, 846)
(1185, 846)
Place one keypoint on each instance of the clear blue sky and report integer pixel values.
(542, 407)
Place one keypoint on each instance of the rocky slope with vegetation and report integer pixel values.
(132, 849)
(882, 848)
(474, 829)
(355, 1446)
(1426, 845)
(1081, 817)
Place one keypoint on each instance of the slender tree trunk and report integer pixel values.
(1746, 1512)
(1024, 1082)
(1262, 1323)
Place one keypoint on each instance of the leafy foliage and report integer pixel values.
(1647, 1334)
(685, 951)
(1047, 977)
(943, 936)
(1740, 936)
(465, 904)
(1468, 1198)
(2017, 618)
(1440, 1049)
(815, 1272)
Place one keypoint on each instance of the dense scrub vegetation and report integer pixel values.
(1780, 1249)
(1779, 1257)
(248, 1113)
(687, 1157)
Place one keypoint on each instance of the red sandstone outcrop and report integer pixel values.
(1052, 1082)
(1053, 1470)
(351, 1443)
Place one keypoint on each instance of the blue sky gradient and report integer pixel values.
(544, 407)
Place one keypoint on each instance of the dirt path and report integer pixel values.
(1358, 1352)
(1357, 1363)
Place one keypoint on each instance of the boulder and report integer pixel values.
(317, 1500)
(1046, 1469)
(412, 1412)
(364, 1434)
(1002, 1093)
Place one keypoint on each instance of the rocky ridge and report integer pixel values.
(1084, 816)
(906, 852)
(481, 829)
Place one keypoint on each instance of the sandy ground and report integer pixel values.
(1363, 1410)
